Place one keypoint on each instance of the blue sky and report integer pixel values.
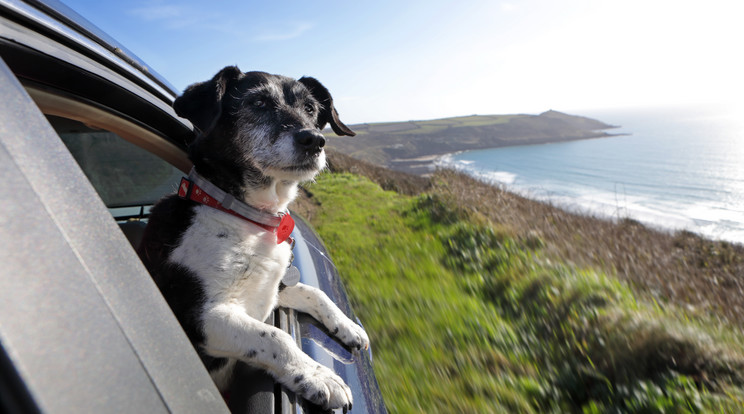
(401, 60)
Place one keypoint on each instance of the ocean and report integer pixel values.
(677, 168)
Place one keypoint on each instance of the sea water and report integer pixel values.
(677, 168)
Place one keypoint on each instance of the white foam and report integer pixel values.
(708, 220)
(487, 176)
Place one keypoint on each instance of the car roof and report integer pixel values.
(69, 17)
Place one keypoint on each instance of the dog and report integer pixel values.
(218, 250)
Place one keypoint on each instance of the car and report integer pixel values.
(88, 143)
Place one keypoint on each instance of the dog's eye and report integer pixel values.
(259, 103)
(309, 108)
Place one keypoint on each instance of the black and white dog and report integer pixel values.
(219, 249)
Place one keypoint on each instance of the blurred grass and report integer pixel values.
(467, 314)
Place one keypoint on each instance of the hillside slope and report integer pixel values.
(682, 267)
(409, 146)
(477, 300)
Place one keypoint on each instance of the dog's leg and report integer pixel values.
(231, 333)
(317, 304)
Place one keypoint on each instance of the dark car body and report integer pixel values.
(88, 142)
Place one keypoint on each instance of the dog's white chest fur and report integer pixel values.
(237, 262)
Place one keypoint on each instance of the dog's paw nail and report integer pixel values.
(323, 387)
(354, 337)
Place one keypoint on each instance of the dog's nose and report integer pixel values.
(309, 139)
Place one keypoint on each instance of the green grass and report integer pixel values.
(466, 317)
(429, 127)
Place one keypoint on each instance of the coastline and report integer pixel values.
(607, 203)
(425, 165)
(414, 146)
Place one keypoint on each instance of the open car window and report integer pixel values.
(123, 174)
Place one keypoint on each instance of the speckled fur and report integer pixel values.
(260, 136)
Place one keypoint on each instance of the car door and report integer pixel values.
(82, 326)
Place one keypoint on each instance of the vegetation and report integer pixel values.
(475, 301)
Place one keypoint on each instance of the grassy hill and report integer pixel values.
(409, 146)
(478, 300)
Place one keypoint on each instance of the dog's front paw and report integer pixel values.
(352, 335)
(322, 387)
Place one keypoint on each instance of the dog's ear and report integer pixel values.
(328, 112)
(201, 103)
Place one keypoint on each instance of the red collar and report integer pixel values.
(189, 190)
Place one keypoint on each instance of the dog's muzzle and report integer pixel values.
(309, 140)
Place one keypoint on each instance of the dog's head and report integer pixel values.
(261, 122)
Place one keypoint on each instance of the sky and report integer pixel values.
(397, 60)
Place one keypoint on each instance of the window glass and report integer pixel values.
(122, 173)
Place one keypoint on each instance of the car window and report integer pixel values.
(123, 174)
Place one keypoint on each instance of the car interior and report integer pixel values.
(128, 178)
(117, 156)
